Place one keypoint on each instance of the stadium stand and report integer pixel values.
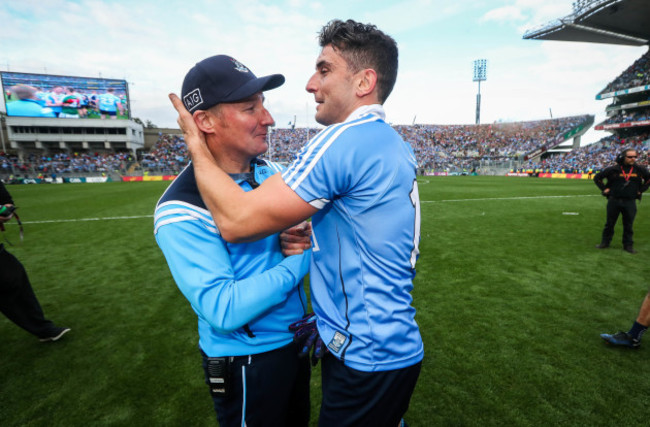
(168, 156)
(630, 117)
(438, 148)
(621, 22)
(466, 147)
(634, 76)
(590, 158)
(59, 164)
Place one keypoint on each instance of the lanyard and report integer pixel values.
(627, 177)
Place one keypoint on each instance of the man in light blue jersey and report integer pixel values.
(357, 180)
(55, 100)
(109, 104)
(245, 294)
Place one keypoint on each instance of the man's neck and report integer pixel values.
(229, 164)
(376, 109)
(234, 167)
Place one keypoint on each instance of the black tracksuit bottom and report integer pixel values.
(17, 299)
(627, 209)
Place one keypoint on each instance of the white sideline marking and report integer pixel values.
(508, 198)
(87, 219)
(421, 201)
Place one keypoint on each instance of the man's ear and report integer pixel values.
(204, 121)
(367, 82)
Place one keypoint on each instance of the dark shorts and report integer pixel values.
(110, 113)
(357, 398)
(267, 389)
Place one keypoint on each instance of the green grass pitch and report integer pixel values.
(510, 296)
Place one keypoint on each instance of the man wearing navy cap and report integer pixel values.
(246, 294)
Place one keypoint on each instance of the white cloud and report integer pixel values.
(506, 13)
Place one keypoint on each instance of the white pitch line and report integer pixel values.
(87, 219)
(509, 198)
(422, 201)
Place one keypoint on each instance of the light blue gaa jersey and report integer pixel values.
(245, 295)
(108, 102)
(362, 177)
(55, 98)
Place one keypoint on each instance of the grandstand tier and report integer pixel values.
(623, 22)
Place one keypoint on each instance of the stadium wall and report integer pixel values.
(25, 134)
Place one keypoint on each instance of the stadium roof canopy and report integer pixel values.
(622, 22)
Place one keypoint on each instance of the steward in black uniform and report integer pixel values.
(17, 299)
(625, 183)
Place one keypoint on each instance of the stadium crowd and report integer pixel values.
(169, 155)
(440, 148)
(285, 143)
(637, 74)
(63, 163)
(593, 157)
(631, 116)
(458, 146)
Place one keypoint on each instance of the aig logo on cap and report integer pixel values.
(239, 66)
(193, 99)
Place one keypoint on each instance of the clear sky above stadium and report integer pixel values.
(153, 43)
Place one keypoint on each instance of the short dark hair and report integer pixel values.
(364, 46)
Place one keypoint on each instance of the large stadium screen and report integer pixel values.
(44, 95)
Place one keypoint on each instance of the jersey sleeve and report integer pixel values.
(321, 170)
(203, 272)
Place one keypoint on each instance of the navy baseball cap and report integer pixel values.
(219, 79)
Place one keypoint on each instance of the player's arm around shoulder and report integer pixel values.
(270, 208)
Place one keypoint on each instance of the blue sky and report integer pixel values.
(153, 43)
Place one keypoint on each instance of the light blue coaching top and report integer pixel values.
(361, 175)
(28, 108)
(245, 295)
